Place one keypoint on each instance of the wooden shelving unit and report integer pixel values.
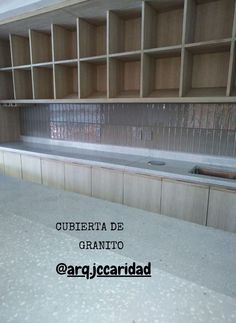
(93, 78)
(161, 74)
(64, 43)
(124, 31)
(124, 76)
(5, 54)
(66, 80)
(210, 20)
(6, 85)
(41, 47)
(23, 83)
(207, 70)
(92, 38)
(159, 51)
(43, 82)
(163, 23)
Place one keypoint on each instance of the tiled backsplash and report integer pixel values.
(195, 128)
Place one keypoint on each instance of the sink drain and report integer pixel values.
(156, 163)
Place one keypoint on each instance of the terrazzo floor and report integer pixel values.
(193, 267)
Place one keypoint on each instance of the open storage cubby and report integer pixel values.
(161, 74)
(20, 50)
(124, 31)
(41, 47)
(5, 54)
(64, 43)
(92, 38)
(66, 80)
(93, 79)
(23, 83)
(43, 82)
(6, 85)
(124, 76)
(207, 71)
(210, 20)
(163, 23)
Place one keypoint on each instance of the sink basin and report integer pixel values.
(214, 172)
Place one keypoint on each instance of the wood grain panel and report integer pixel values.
(20, 50)
(143, 192)
(107, 184)
(31, 169)
(41, 47)
(78, 178)
(214, 20)
(12, 164)
(1, 162)
(222, 210)
(53, 173)
(184, 201)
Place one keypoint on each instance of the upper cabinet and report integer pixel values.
(132, 51)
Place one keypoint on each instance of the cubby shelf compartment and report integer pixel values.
(64, 43)
(6, 85)
(161, 73)
(66, 80)
(209, 20)
(43, 82)
(5, 54)
(23, 83)
(163, 23)
(20, 50)
(124, 31)
(41, 47)
(206, 71)
(124, 76)
(93, 78)
(92, 37)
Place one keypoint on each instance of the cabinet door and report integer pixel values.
(185, 201)
(78, 178)
(143, 192)
(31, 169)
(1, 162)
(222, 209)
(12, 164)
(107, 184)
(53, 173)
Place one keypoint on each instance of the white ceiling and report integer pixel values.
(64, 16)
(10, 8)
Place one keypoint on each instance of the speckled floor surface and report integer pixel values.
(193, 267)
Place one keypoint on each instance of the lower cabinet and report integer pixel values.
(107, 184)
(143, 192)
(1, 163)
(78, 178)
(185, 201)
(214, 207)
(12, 163)
(53, 173)
(222, 209)
(31, 169)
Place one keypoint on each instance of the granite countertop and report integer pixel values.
(193, 267)
(173, 168)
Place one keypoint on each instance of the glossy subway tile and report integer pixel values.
(194, 128)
